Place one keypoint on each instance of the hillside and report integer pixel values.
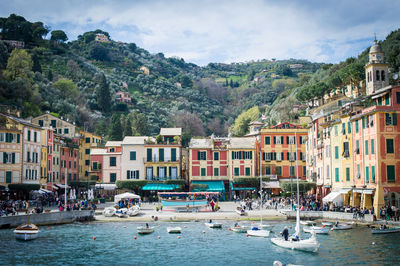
(79, 79)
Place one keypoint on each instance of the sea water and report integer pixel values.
(114, 244)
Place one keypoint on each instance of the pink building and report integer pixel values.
(96, 158)
(112, 162)
(50, 138)
(124, 97)
(69, 157)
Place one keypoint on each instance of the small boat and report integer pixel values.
(264, 226)
(109, 212)
(240, 228)
(145, 230)
(133, 211)
(385, 230)
(316, 229)
(174, 230)
(122, 213)
(326, 223)
(255, 231)
(239, 210)
(310, 244)
(308, 223)
(342, 226)
(26, 231)
(213, 225)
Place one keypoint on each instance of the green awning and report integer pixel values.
(213, 186)
(242, 188)
(159, 186)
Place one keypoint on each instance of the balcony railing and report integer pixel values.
(157, 160)
(158, 178)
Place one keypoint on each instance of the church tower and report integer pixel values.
(376, 70)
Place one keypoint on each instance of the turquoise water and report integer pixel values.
(115, 244)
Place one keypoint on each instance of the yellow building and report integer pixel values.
(43, 158)
(87, 141)
(346, 180)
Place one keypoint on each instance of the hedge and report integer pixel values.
(304, 186)
(131, 184)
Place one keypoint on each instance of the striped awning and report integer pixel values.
(159, 186)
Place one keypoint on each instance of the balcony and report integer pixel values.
(157, 160)
(159, 178)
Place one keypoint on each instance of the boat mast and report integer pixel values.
(298, 193)
(27, 217)
(260, 188)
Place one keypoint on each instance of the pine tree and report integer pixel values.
(115, 128)
(231, 83)
(103, 95)
(128, 126)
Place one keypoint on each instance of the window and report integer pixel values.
(132, 156)
(336, 130)
(267, 140)
(149, 173)
(132, 174)
(113, 161)
(391, 119)
(278, 170)
(357, 125)
(149, 155)
(304, 170)
(389, 146)
(216, 156)
(344, 128)
(216, 171)
(161, 155)
(347, 174)
(366, 147)
(367, 174)
(173, 155)
(327, 150)
(349, 127)
(247, 171)
(202, 155)
(346, 152)
(236, 171)
(390, 170)
(203, 171)
(291, 170)
(337, 174)
(327, 171)
(373, 174)
(112, 150)
(87, 151)
(387, 99)
(87, 162)
(29, 135)
(41, 123)
(358, 171)
(377, 75)
(397, 97)
(268, 170)
(247, 155)
(372, 146)
(336, 152)
(113, 177)
(380, 101)
(66, 131)
(35, 136)
(53, 123)
(87, 140)
(236, 155)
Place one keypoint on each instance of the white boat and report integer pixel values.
(174, 230)
(296, 241)
(109, 212)
(385, 230)
(122, 213)
(133, 211)
(240, 228)
(342, 226)
(308, 223)
(316, 229)
(145, 230)
(326, 223)
(258, 232)
(213, 225)
(239, 210)
(264, 226)
(26, 231)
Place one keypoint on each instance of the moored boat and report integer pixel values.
(255, 231)
(387, 230)
(240, 228)
(310, 244)
(316, 229)
(145, 229)
(213, 225)
(239, 210)
(308, 223)
(122, 213)
(133, 211)
(174, 230)
(109, 212)
(326, 223)
(26, 232)
(342, 226)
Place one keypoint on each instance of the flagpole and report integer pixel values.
(65, 190)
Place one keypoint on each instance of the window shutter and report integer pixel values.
(264, 156)
(363, 123)
(301, 155)
(158, 171)
(128, 174)
(287, 154)
(287, 140)
(274, 140)
(282, 156)
(282, 140)
(198, 155)
(169, 171)
(18, 138)
(233, 155)
(137, 174)
(251, 155)
(394, 119)
(274, 156)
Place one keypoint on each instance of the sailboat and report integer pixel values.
(26, 231)
(258, 230)
(296, 242)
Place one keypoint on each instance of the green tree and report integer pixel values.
(59, 36)
(103, 94)
(19, 65)
(67, 88)
(128, 127)
(241, 125)
(3, 55)
(115, 128)
(140, 124)
(99, 52)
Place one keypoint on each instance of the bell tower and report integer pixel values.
(376, 70)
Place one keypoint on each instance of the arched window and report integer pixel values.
(383, 75)
(377, 75)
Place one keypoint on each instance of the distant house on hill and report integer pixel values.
(15, 44)
(145, 70)
(294, 66)
(124, 97)
(100, 37)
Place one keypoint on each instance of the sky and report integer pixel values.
(224, 31)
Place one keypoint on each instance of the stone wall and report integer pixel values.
(312, 215)
(47, 218)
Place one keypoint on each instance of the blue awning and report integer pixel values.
(213, 186)
(242, 188)
(159, 186)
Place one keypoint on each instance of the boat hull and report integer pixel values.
(145, 230)
(26, 235)
(342, 227)
(309, 245)
(258, 233)
(240, 229)
(316, 229)
(213, 225)
(386, 231)
(174, 230)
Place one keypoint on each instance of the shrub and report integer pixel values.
(131, 184)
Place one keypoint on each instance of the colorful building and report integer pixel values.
(123, 97)
(132, 158)
(59, 125)
(69, 158)
(112, 162)
(87, 142)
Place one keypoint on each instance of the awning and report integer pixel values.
(241, 188)
(159, 186)
(369, 192)
(344, 190)
(55, 187)
(62, 186)
(363, 191)
(213, 186)
(45, 190)
(271, 184)
(105, 186)
(334, 196)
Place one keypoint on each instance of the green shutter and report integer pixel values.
(363, 122)
(247, 171)
(387, 99)
(267, 140)
(18, 138)
(198, 155)
(394, 119)
(128, 174)
(337, 174)
(366, 147)
(380, 101)
(4, 157)
(389, 146)
(161, 154)
(263, 156)
(173, 155)
(233, 155)
(349, 127)
(373, 173)
(336, 152)
(13, 158)
(390, 169)
(367, 174)
(347, 174)
(356, 126)
(149, 153)
(372, 146)
(216, 172)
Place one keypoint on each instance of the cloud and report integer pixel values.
(225, 30)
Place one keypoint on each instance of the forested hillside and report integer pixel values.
(78, 80)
